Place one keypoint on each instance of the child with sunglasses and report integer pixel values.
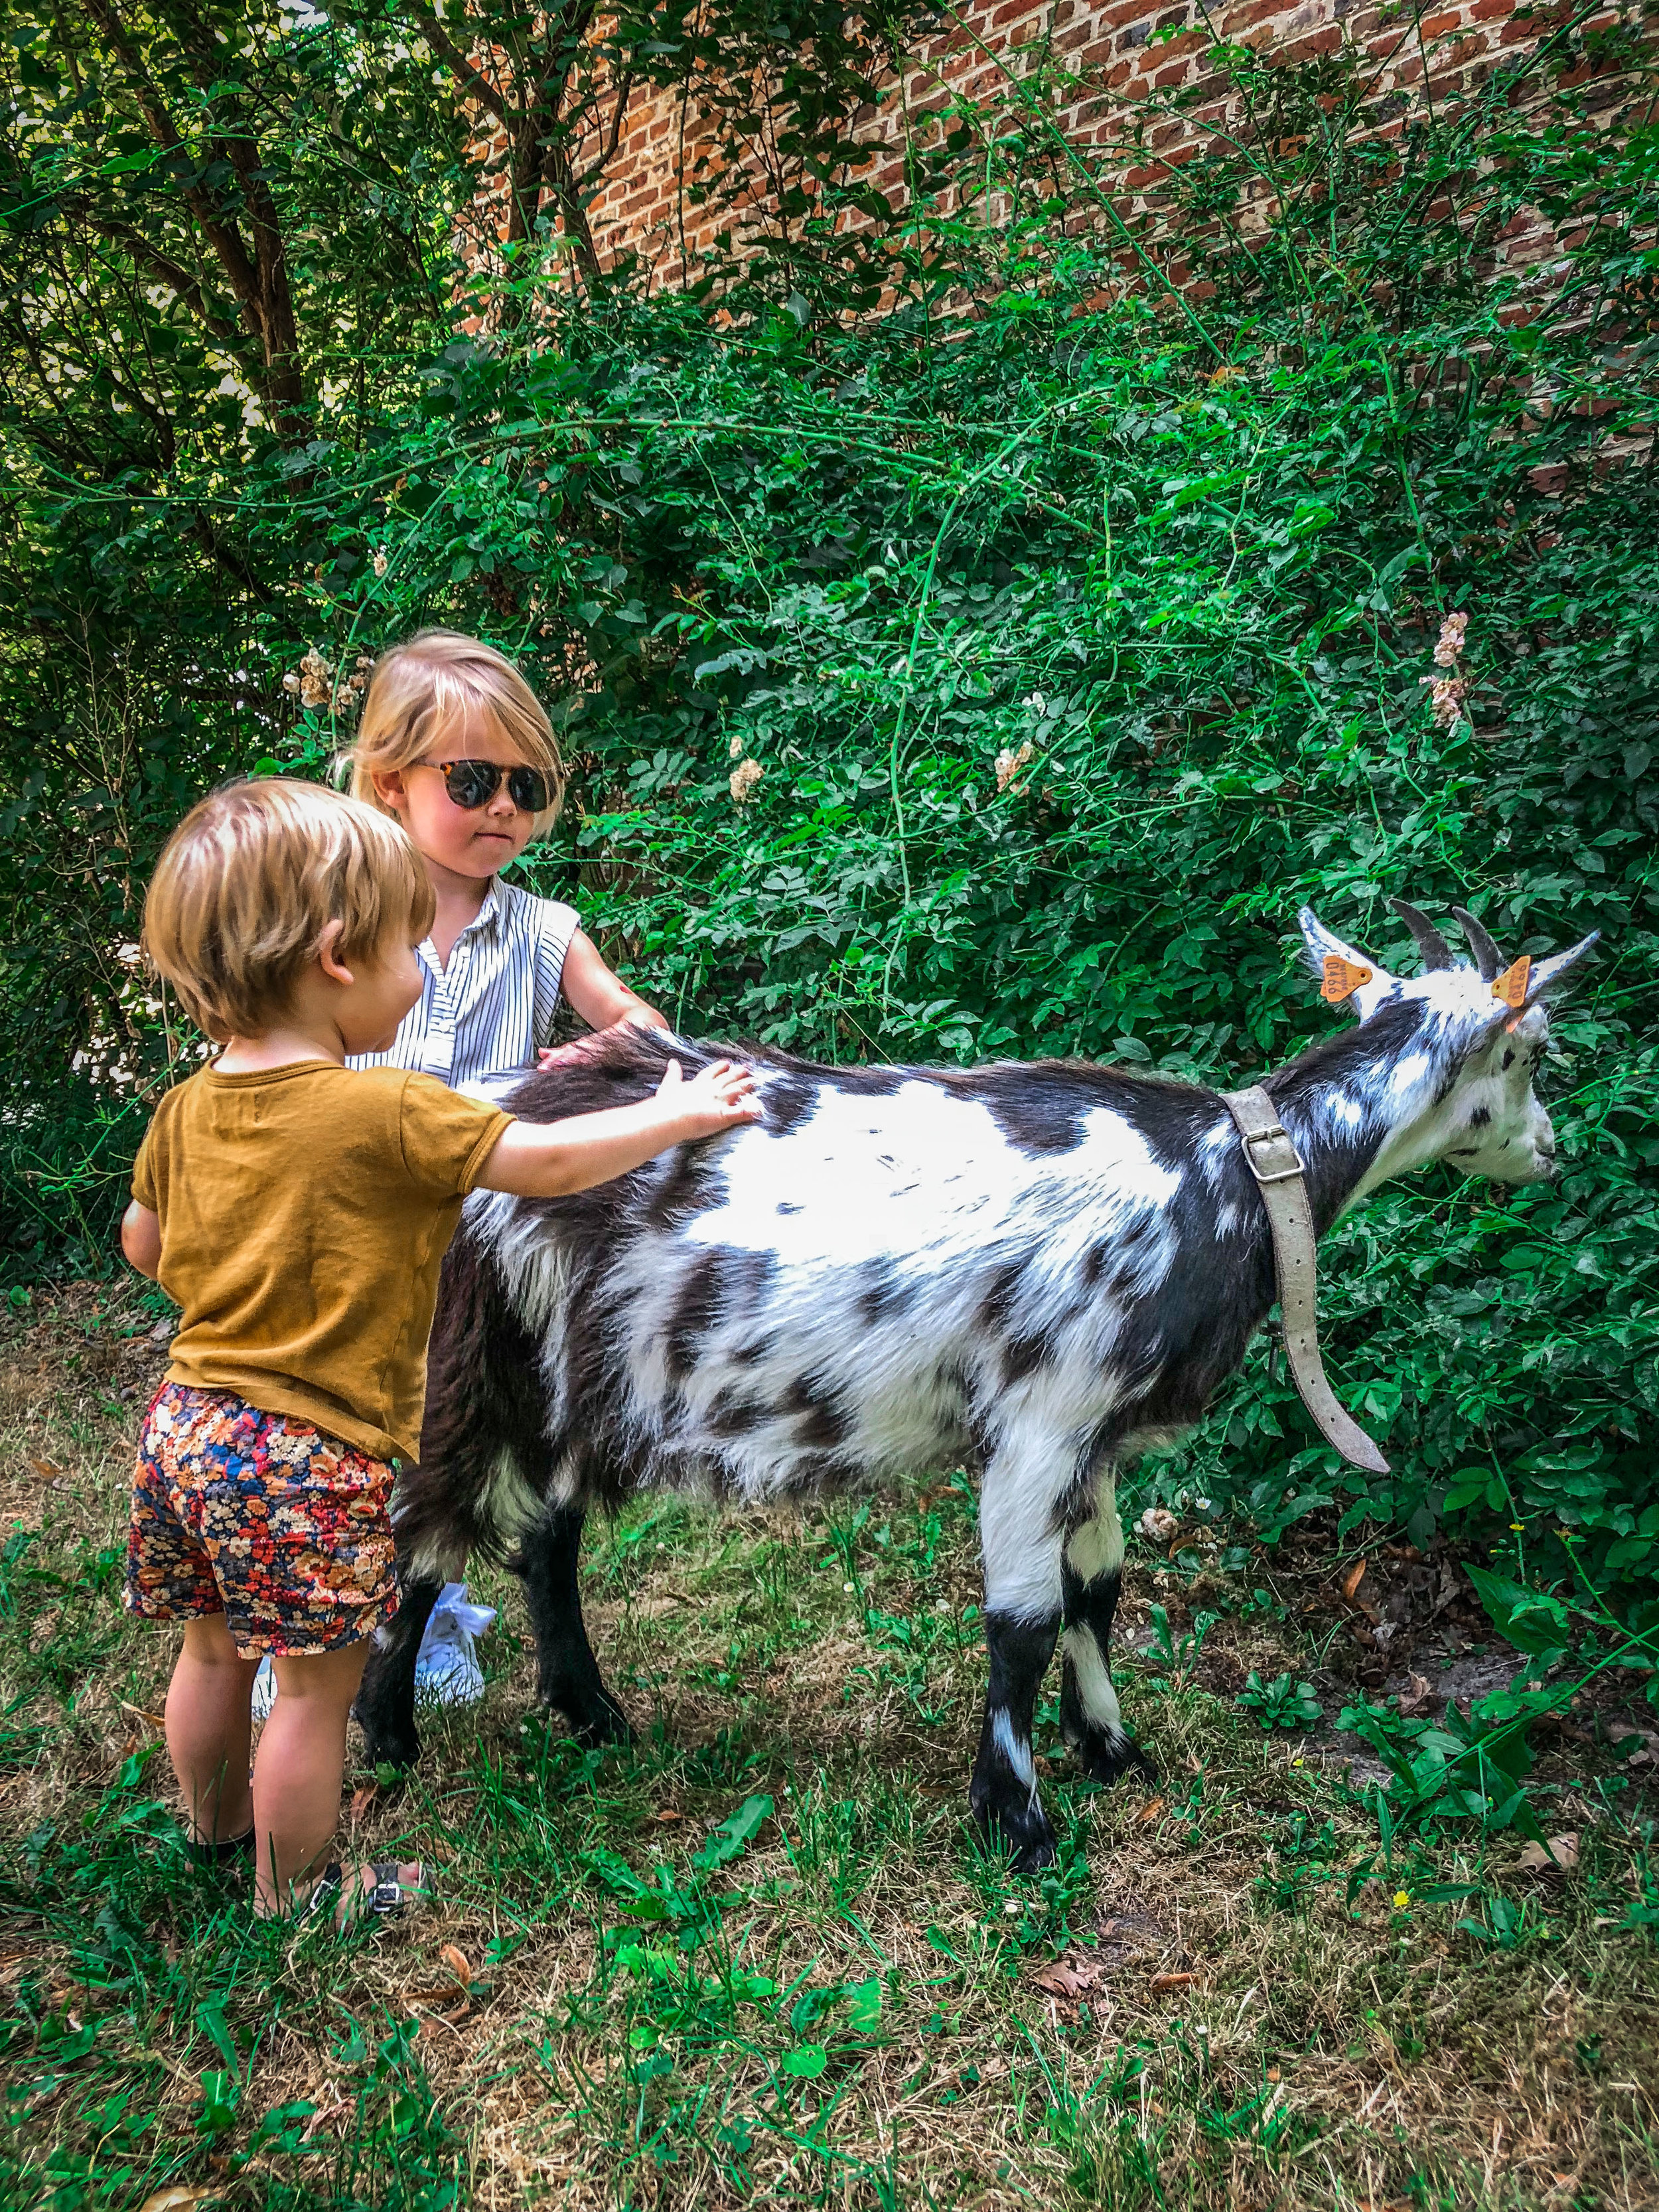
(455, 743)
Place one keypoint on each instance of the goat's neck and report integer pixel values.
(1361, 1107)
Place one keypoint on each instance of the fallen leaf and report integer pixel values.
(1273, 2073)
(1560, 1857)
(1069, 1978)
(1419, 1699)
(330, 2108)
(1150, 1813)
(174, 2200)
(1351, 1580)
(1162, 1985)
(1059, 1981)
(457, 1963)
(156, 1720)
(666, 1816)
(364, 1800)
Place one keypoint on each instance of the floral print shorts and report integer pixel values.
(262, 1518)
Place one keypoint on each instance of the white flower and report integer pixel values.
(743, 778)
(1157, 1523)
(1446, 698)
(380, 562)
(1009, 765)
(1449, 643)
(735, 751)
(316, 679)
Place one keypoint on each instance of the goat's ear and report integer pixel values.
(1320, 944)
(1548, 975)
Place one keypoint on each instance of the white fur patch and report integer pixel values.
(1097, 1548)
(1016, 1752)
(1094, 1681)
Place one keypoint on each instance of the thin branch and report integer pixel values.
(222, 236)
(169, 272)
(449, 53)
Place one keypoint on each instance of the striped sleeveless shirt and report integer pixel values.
(485, 1015)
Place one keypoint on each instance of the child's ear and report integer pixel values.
(389, 788)
(327, 956)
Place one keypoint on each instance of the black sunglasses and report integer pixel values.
(474, 783)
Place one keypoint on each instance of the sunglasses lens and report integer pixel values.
(471, 783)
(527, 788)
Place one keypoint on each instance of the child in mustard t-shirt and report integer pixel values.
(298, 1211)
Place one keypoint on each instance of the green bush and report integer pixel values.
(1000, 683)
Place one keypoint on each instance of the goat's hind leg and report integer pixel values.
(385, 1701)
(567, 1674)
(1090, 1576)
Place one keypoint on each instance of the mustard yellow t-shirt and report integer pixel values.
(305, 1211)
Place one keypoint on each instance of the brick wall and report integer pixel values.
(1112, 94)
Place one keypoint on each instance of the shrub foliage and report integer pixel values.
(990, 672)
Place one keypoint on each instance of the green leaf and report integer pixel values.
(734, 1834)
(807, 2061)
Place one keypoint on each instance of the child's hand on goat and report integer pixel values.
(551, 1159)
(717, 1098)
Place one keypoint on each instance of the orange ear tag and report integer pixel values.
(1511, 985)
(1342, 979)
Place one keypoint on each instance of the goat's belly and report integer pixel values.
(769, 1380)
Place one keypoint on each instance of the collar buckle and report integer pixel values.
(1277, 1165)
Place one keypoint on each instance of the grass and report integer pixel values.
(757, 1957)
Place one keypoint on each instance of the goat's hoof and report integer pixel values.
(1019, 1830)
(1105, 1755)
(591, 1721)
(1032, 1857)
(399, 1751)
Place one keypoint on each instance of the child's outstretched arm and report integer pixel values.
(548, 1159)
(601, 998)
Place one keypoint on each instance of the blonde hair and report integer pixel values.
(250, 879)
(428, 682)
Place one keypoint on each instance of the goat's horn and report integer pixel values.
(1487, 957)
(1437, 953)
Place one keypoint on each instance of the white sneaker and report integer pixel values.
(446, 1667)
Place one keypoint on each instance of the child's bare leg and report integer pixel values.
(208, 1730)
(298, 1772)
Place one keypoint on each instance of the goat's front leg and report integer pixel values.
(386, 1701)
(567, 1674)
(1022, 1625)
(1091, 1575)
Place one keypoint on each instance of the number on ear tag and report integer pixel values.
(1511, 985)
(1342, 979)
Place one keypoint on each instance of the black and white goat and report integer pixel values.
(1038, 1267)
